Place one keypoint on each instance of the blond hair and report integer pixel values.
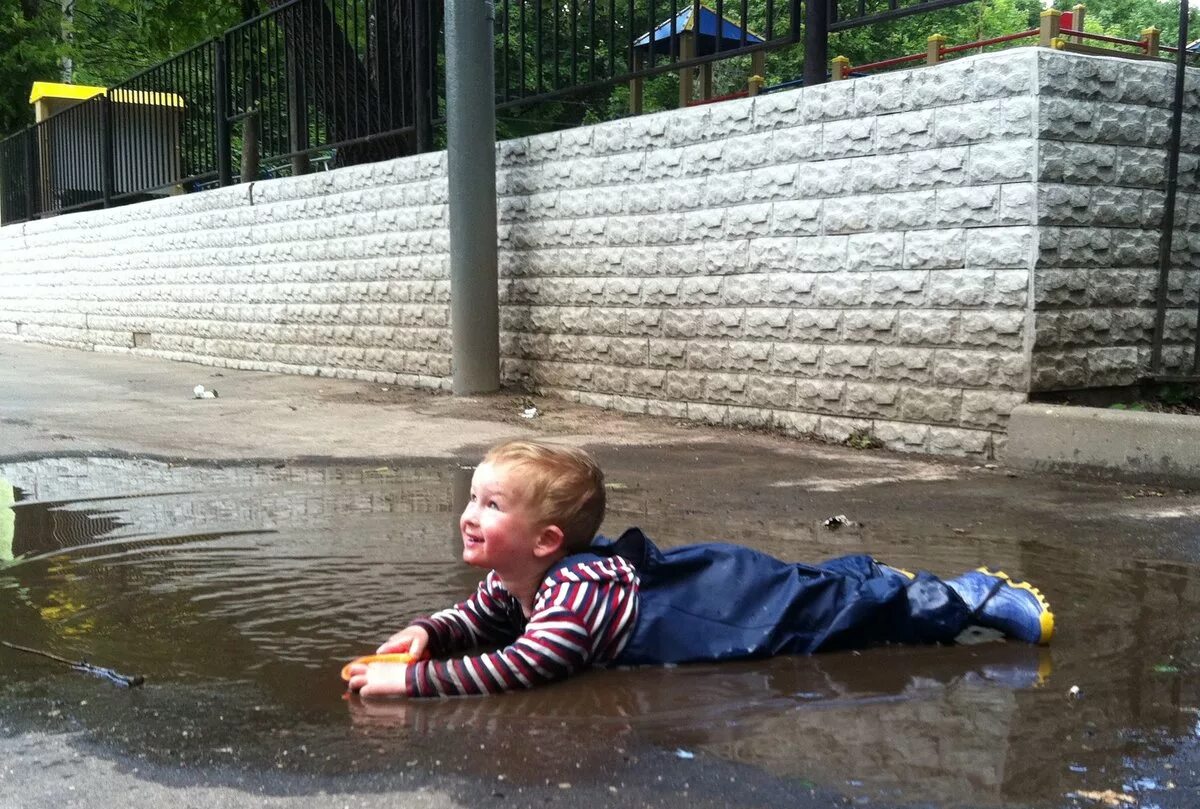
(562, 485)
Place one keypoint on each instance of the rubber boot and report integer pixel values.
(1017, 609)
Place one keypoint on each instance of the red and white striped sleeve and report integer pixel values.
(491, 616)
(584, 615)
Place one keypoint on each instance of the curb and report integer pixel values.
(1152, 447)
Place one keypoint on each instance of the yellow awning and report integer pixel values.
(82, 92)
(52, 89)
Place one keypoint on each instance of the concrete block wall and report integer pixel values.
(343, 273)
(1103, 127)
(862, 256)
(855, 256)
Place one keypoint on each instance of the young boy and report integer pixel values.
(558, 599)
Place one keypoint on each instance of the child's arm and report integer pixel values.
(577, 622)
(483, 619)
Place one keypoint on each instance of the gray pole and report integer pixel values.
(471, 136)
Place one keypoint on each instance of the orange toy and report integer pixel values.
(394, 657)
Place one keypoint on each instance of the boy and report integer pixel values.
(558, 599)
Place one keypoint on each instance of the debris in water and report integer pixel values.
(1108, 797)
(681, 753)
(529, 413)
(1166, 668)
(1073, 692)
(123, 680)
(836, 522)
(199, 392)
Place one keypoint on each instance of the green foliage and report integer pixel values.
(107, 41)
(863, 439)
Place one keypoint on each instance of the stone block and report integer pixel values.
(1002, 161)
(1067, 162)
(935, 168)
(816, 325)
(989, 410)
(849, 214)
(839, 430)
(963, 369)
(746, 152)
(903, 288)
(799, 218)
(842, 289)
(667, 353)
(777, 110)
(707, 413)
(875, 251)
(933, 249)
(770, 391)
(767, 324)
(871, 399)
(901, 436)
(958, 288)
(849, 362)
(869, 326)
(1113, 366)
(1059, 370)
(1009, 247)
(971, 206)
(929, 405)
(903, 364)
(952, 441)
(795, 144)
(966, 123)
(848, 138)
(993, 329)
(906, 211)
(795, 359)
(820, 395)
(795, 424)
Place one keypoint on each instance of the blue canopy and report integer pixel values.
(1194, 47)
(706, 32)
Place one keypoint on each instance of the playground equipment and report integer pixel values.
(690, 36)
(1061, 30)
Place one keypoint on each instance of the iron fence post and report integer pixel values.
(816, 41)
(298, 116)
(221, 114)
(1167, 234)
(423, 48)
(32, 178)
(107, 163)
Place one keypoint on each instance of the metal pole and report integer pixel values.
(816, 41)
(471, 137)
(31, 170)
(1167, 233)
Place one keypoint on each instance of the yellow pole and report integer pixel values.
(933, 49)
(841, 68)
(1050, 24)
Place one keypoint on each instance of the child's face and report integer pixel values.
(499, 530)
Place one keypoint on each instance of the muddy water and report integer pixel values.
(238, 591)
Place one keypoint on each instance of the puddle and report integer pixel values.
(238, 592)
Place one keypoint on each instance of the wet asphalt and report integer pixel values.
(166, 535)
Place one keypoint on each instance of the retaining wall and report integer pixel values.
(910, 255)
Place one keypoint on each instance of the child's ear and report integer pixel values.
(549, 542)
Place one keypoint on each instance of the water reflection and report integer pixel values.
(239, 590)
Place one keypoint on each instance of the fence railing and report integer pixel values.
(1057, 29)
(549, 48)
(310, 81)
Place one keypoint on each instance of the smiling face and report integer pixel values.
(499, 529)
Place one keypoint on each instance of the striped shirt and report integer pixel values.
(583, 615)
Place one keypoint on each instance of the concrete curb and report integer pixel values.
(1152, 447)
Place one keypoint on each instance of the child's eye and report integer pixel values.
(493, 504)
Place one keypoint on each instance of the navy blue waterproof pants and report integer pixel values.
(721, 602)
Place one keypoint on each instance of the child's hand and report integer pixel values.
(379, 679)
(413, 640)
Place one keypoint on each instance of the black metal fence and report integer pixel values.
(551, 48)
(309, 83)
